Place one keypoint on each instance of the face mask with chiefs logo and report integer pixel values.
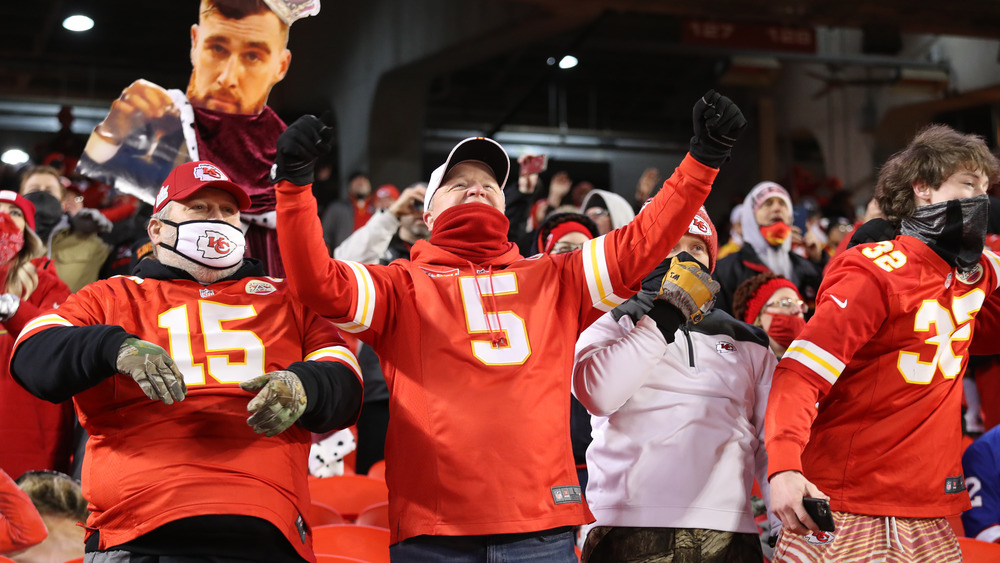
(213, 244)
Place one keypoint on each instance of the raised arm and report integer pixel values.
(342, 291)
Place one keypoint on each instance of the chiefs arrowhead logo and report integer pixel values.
(208, 173)
(699, 227)
(214, 245)
(162, 195)
(724, 347)
(258, 287)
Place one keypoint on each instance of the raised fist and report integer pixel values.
(299, 146)
(718, 122)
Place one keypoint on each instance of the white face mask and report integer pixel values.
(213, 244)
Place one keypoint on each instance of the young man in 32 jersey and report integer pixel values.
(883, 357)
(184, 476)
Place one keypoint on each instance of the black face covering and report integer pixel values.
(48, 211)
(955, 230)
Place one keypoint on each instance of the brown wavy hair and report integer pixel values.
(934, 154)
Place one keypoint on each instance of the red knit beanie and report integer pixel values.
(703, 228)
(763, 295)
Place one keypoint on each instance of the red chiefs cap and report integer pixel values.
(188, 178)
(23, 203)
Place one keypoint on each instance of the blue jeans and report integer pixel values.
(548, 546)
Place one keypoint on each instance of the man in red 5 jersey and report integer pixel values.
(476, 342)
(883, 359)
(164, 367)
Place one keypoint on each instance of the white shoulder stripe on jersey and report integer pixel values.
(595, 270)
(994, 261)
(335, 353)
(815, 358)
(366, 300)
(45, 321)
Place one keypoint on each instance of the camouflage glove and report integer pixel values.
(153, 369)
(689, 288)
(281, 402)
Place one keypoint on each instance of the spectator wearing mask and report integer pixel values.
(70, 237)
(478, 459)
(37, 434)
(864, 405)
(773, 303)
(767, 247)
(208, 442)
(59, 500)
(678, 392)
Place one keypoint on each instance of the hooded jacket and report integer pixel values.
(618, 207)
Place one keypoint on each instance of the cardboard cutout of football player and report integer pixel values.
(238, 53)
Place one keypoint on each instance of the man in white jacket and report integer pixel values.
(678, 418)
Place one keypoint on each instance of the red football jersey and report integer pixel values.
(148, 463)
(478, 439)
(884, 355)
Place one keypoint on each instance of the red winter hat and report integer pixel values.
(188, 178)
(387, 190)
(702, 227)
(22, 203)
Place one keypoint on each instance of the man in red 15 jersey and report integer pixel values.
(865, 406)
(185, 475)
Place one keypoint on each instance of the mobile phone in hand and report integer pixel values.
(534, 164)
(819, 510)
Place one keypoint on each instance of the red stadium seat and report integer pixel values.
(375, 515)
(377, 470)
(77, 560)
(348, 494)
(6, 560)
(366, 543)
(322, 514)
(975, 551)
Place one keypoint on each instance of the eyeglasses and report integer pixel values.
(563, 247)
(595, 213)
(788, 304)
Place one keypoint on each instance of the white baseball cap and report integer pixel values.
(480, 149)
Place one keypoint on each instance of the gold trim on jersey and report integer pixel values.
(825, 364)
(595, 269)
(335, 353)
(44, 321)
(365, 309)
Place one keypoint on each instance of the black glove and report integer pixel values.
(668, 318)
(718, 122)
(305, 140)
(640, 303)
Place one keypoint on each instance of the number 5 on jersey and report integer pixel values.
(517, 348)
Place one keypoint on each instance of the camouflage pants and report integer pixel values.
(607, 544)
